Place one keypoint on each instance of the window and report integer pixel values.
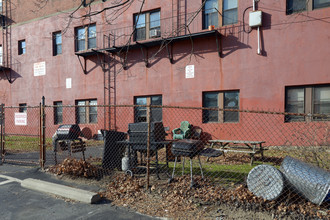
(57, 43)
(147, 25)
(21, 47)
(140, 113)
(1, 55)
(307, 100)
(210, 13)
(58, 113)
(85, 37)
(22, 107)
(86, 111)
(223, 100)
(295, 6)
(229, 12)
(321, 3)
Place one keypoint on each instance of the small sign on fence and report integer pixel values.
(20, 118)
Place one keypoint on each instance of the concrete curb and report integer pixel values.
(61, 190)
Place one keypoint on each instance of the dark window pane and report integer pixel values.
(81, 112)
(321, 101)
(81, 38)
(140, 34)
(210, 13)
(57, 44)
(140, 112)
(154, 19)
(59, 49)
(231, 101)
(156, 113)
(210, 100)
(91, 43)
(92, 36)
(21, 47)
(295, 6)
(93, 111)
(321, 3)
(22, 108)
(294, 103)
(81, 45)
(58, 113)
(230, 16)
(140, 21)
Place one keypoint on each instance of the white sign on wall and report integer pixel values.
(190, 71)
(20, 118)
(68, 83)
(39, 69)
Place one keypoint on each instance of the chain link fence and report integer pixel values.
(267, 159)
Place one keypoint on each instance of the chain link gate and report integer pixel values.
(22, 141)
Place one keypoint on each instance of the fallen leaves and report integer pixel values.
(77, 168)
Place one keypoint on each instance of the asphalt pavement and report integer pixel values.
(21, 203)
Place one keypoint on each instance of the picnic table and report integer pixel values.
(250, 147)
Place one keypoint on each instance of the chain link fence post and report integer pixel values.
(2, 122)
(148, 144)
(42, 133)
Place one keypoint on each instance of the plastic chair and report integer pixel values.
(183, 132)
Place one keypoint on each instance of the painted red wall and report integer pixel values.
(295, 51)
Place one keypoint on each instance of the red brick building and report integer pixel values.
(178, 53)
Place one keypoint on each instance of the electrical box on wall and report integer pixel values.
(255, 18)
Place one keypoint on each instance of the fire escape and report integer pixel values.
(5, 47)
(117, 43)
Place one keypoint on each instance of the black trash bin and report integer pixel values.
(113, 151)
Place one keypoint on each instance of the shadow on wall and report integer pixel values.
(9, 74)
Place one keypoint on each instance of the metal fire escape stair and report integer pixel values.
(6, 62)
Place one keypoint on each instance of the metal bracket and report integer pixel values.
(145, 55)
(4, 70)
(170, 52)
(83, 66)
(218, 42)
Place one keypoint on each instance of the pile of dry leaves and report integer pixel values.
(77, 168)
(178, 200)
